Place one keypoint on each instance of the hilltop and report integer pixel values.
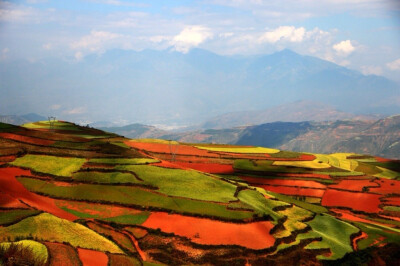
(82, 195)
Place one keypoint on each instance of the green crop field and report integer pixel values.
(184, 183)
(335, 235)
(60, 166)
(15, 215)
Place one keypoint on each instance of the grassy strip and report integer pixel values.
(106, 178)
(60, 166)
(184, 183)
(133, 196)
(12, 216)
(302, 204)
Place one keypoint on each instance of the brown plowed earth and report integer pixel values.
(62, 254)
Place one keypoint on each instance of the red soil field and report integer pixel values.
(382, 160)
(358, 238)
(8, 158)
(211, 232)
(10, 185)
(394, 201)
(387, 186)
(355, 200)
(164, 148)
(283, 182)
(354, 184)
(26, 139)
(212, 168)
(7, 201)
(92, 257)
(61, 254)
(319, 176)
(294, 191)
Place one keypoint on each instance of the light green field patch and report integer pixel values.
(37, 248)
(59, 125)
(60, 166)
(245, 150)
(123, 160)
(262, 205)
(392, 208)
(184, 183)
(335, 236)
(386, 173)
(48, 227)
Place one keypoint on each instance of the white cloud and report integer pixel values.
(283, 33)
(191, 36)
(344, 48)
(47, 46)
(95, 41)
(395, 65)
(75, 111)
(55, 106)
(78, 55)
(371, 70)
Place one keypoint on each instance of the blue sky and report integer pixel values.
(359, 34)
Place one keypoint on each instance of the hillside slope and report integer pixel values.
(81, 195)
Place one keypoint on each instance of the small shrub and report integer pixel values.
(17, 254)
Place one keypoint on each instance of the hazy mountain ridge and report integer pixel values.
(165, 86)
(380, 137)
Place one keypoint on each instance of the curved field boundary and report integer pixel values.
(365, 202)
(210, 232)
(294, 191)
(10, 185)
(212, 168)
(62, 253)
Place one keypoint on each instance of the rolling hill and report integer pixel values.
(84, 196)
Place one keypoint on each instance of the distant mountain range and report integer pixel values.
(21, 119)
(377, 137)
(164, 87)
(290, 112)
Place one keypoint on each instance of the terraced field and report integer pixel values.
(78, 195)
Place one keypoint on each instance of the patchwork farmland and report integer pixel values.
(78, 195)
